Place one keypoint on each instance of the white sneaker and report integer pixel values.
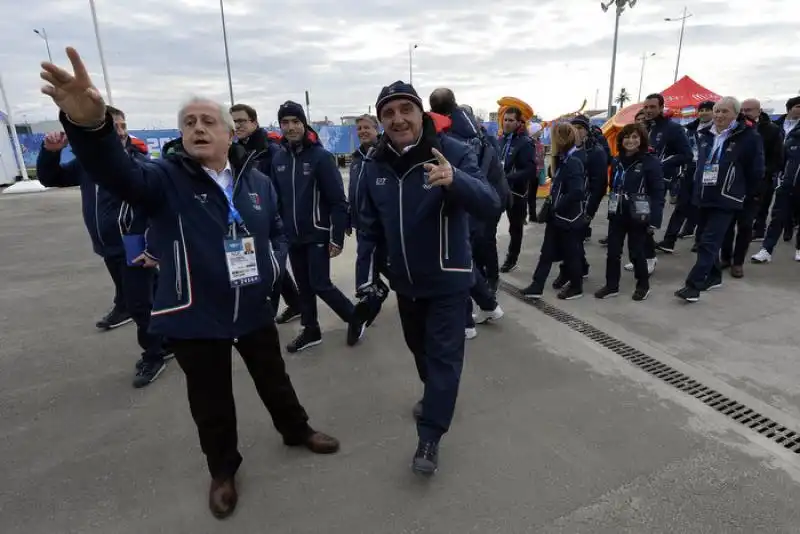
(651, 265)
(762, 256)
(797, 255)
(483, 316)
(628, 267)
(470, 333)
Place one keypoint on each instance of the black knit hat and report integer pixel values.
(707, 104)
(582, 121)
(292, 109)
(398, 89)
(792, 102)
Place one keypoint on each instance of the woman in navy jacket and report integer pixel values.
(563, 216)
(635, 171)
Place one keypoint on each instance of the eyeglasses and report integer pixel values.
(239, 122)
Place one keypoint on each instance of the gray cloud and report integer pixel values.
(343, 52)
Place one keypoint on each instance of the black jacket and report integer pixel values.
(262, 149)
(772, 137)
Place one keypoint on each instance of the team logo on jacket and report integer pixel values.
(202, 197)
(425, 185)
(306, 169)
(256, 201)
(280, 168)
(380, 181)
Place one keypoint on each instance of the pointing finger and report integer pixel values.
(77, 65)
(439, 156)
(56, 74)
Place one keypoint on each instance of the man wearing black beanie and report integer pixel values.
(314, 212)
(417, 191)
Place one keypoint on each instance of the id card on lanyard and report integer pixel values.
(711, 168)
(240, 252)
(613, 196)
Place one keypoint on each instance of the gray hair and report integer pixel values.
(369, 118)
(224, 113)
(731, 101)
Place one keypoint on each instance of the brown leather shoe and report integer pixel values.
(320, 443)
(737, 271)
(222, 497)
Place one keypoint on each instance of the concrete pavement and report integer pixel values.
(553, 433)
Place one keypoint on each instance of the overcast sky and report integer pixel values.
(551, 53)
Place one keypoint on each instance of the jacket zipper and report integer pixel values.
(237, 289)
(447, 238)
(294, 197)
(402, 230)
(178, 274)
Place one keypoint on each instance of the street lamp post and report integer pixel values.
(411, 48)
(641, 76)
(43, 34)
(680, 42)
(620, 7)
(100, 50)
(227, 56)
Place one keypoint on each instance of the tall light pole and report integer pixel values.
(227, 56)
(43, 34)
(680, 42)
(620, 7)
(641, 76)
(411, 48)
(100, 50)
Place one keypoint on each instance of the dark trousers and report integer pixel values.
(114, 267)
(207, 365)
(712, 224)
(765, 196)
(484, 252)
(685, 214)
(618, 229)
(650, 240)
(565, 245)
(784, 212)
(739, 234)
(516, 221)
(533, 186)
(287, 289)
(434, 332)
(482, 294)
(311, 265)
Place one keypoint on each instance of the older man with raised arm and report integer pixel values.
(207, 207)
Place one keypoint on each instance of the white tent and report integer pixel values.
(8, 160)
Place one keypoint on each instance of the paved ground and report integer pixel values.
(553, 433)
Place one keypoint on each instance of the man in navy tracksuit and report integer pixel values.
(254, 139)
(730, 165)
(314, 210)
(671, 145)
(417, 191)
(215, 223)
(112, 223)
(519, 163)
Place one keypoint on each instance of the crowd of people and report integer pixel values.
(197, 242)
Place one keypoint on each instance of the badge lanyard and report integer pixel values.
(233, 214)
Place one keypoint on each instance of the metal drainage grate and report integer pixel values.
(732, 409)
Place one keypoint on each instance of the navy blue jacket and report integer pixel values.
(105, 214)
(671, 146)
(595, 164)
(790, 181)
(519, 162)
(741, 168)
(423, 229)
(638, 174)
(189, 217)
(568, 192)
(356, 162)
(311, 192)
(262, 148)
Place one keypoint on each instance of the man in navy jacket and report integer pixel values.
(730, 166)
(314, 211)
(112, 223)
(417, 192)
(207, 207)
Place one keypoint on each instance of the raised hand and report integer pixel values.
(74, 93)
(55, 141)
(440, 173)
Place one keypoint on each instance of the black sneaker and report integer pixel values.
(606, 293)
(355, 331)
(114, 319)
(148, 373)
(787, 234)
(287, 315)
(508, 266)
(685, 234)
(570, 293)
(307, 338)
(712, 283)
(689, 294)
(666, 246)
(603, 241)
(532, 292)
(426, 459)
(560, 282)
(417, 410)
(166, 355)
(641, 293)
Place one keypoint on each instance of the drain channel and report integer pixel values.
(735, 410)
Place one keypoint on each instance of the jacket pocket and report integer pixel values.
(176, 255)
(316, 209)
(452, 248)
(729, 186)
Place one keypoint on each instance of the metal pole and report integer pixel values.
(613, 62)
(680, 44)
(100, 50)
(410, 65)
(227, 56)
(641, 78)
(14, 139)
(43, 35)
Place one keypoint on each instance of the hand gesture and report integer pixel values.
(74, 93)
(440, 173)
(333, 250)
(145, 261)
(55, 141)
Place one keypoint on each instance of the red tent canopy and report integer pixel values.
(686, 93)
